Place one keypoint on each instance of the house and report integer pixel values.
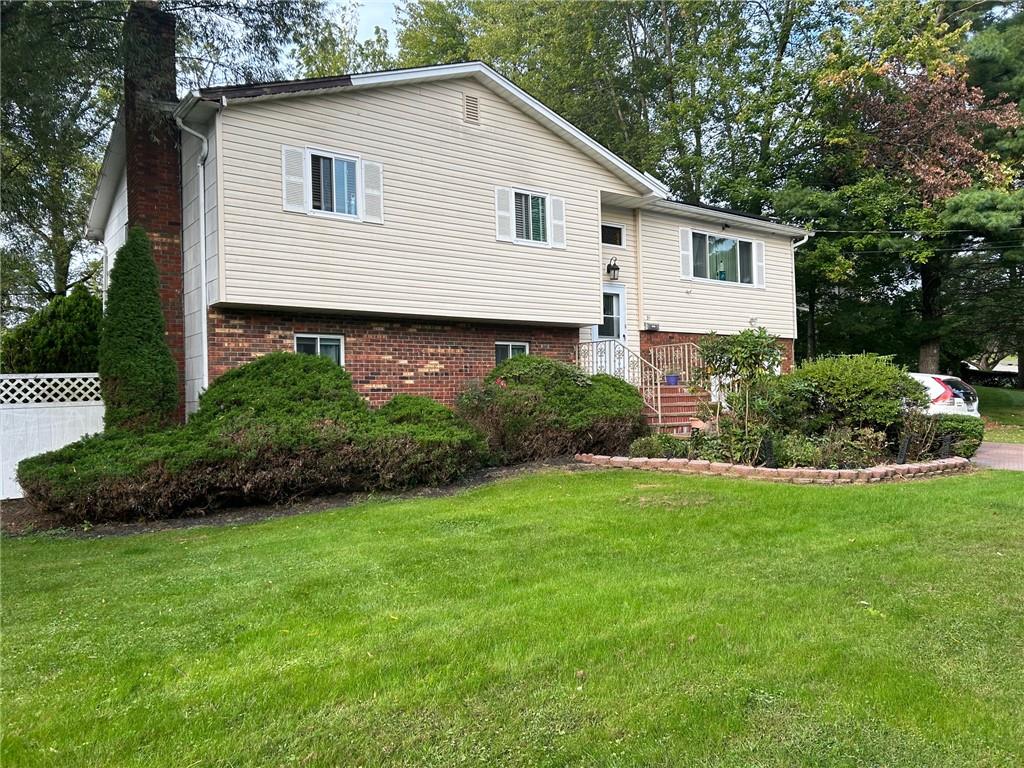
(417, 226)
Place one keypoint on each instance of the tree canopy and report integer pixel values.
(892, 127)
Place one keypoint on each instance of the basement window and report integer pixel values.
(331, 347)
(503, 350)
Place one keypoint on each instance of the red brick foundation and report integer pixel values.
(650, 339)
(384, 356)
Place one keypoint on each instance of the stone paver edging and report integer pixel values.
(797, 475)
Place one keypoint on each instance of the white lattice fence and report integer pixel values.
(42, 412)
(20, 388)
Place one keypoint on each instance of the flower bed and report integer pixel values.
(796, 475)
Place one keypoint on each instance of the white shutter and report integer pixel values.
(686, 253)
(557, 222)
(759, 263)
(503, 213)
(293, 178)
(373, 192)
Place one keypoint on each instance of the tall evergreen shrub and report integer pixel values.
(62, 337)
(137, 372)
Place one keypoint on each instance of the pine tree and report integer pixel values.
(138, 375)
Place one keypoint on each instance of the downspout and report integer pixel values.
(201, 170)
(796, 244)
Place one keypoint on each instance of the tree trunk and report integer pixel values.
(931, 315)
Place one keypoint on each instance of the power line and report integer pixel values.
(901, 231)
(981, 248)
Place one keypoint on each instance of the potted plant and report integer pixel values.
(672, 376)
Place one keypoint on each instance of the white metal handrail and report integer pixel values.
(682, 359)
(613, 357)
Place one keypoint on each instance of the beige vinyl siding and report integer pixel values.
(695, 306)
(116, 229)
(192, 298)
(626, 258)
(436, 253)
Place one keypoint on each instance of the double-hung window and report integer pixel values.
(334, 184)
(331, 347)
(531, 217)
(725, 259)
(526, 217)
(503, 350)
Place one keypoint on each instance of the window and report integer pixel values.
(611, 234)
(335, 187)
(723, 258)
(610, 327)
(503, 350)
(531, 217)
(331, 347)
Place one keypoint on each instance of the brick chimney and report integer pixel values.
(152, 162)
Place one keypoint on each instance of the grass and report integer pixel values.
(1003, 410)
(583, 619)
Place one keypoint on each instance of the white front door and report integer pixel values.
(609, 357)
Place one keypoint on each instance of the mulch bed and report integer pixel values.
(18, 518)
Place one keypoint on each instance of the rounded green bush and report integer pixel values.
(856, 391)
(62, 337)
(966, 434)
(533, 408)
(280, 385)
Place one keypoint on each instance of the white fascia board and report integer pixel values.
(106, 184)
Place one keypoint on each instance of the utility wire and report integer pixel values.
(901, 231)
(982, 248)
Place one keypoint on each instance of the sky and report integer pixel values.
(377, 14)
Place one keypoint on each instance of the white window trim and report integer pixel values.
(737, 284)
(340, 338)
(335, 155)
(547, 218)
(622, 236)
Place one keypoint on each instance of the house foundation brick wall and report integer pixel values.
(384, 356)
(152, 166)
(650, 339)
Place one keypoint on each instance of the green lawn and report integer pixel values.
(1003, 410)
(586, 619)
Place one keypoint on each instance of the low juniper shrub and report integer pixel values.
(282, 426)
(532, 408)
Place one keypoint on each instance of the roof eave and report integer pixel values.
(106, 184)
(696, 211)
(641, 182)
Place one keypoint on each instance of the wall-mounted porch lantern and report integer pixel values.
(612, 269)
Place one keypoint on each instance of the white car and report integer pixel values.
(948, 394)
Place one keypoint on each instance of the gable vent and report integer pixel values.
(471, 109)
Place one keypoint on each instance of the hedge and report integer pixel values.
(281, 426)
(534, 408)
(62, 337)
(965, 432)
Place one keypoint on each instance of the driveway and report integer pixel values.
(1001, 456)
